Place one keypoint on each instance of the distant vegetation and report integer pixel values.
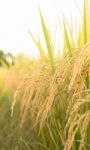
(6, 59)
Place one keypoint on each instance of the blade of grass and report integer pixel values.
(39, 45)
(67, 46)
(84, 33)
(48, 42)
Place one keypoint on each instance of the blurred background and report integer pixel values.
(19, 16)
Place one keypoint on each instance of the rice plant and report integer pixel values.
(58, 104)
(45, 103)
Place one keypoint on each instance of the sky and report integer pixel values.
(17, 17)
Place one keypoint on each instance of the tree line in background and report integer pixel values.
(6, 59)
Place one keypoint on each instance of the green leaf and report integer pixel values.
(39, 45)
(48, 42)
(67, 45)
(84, 33)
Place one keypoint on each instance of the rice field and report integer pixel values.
(45, 102)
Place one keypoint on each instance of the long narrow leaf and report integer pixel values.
(39, 45)
(48, 42)
(67, 46)
(84, 33)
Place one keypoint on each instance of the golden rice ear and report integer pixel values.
(79, 62)
(78, 123)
